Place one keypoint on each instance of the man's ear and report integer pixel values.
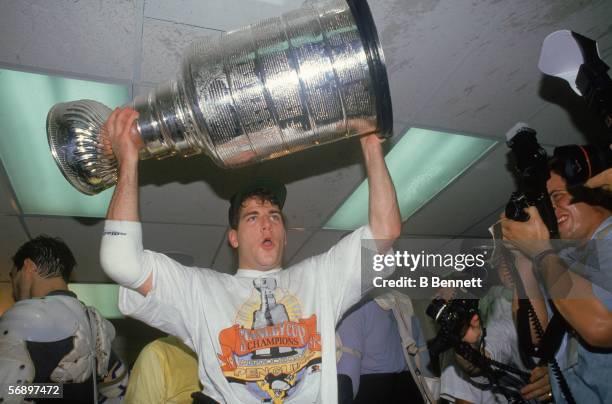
(232, 237)
(29, 266)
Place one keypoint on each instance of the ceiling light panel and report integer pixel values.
(422, 164)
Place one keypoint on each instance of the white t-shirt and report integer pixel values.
(258, 335)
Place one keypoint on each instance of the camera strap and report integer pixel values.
(550, 340)
(553, 336)
(504, 379)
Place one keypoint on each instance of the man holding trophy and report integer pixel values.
(309, 77)
(240, 359)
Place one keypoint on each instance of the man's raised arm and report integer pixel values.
(121, 249)
(383, 211)
(119, 133)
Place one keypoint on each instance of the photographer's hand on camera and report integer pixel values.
(530, 237)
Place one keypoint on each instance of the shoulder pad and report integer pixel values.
(16, 367)
(47, 319)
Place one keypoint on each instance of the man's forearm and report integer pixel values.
(573, 296)
(384, 215)
(124, 203)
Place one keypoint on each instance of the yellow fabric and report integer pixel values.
(166, 371)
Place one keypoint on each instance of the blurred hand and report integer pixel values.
(530, 237)
(445, 294)
(539, 386)
(120, 136)
(474, 331)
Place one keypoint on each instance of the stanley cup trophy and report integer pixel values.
(309, 77)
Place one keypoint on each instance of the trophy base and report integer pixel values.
(73, 133)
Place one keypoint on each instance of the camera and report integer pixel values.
(531, 167)
(515, 207)
(453, 317)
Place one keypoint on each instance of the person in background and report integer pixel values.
(49, 336)
(578, 281)
(383, 356)
(462, 382)
(166, 371)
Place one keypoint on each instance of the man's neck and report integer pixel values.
(605, 215)
(262, 270)
(245, 265)
(45, 286)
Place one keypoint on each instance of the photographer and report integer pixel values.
(582, 295)
(465, 382)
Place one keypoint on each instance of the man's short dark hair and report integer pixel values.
(50, 254)
(262, 189)
(557, 166)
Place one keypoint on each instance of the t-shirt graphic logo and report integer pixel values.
(271, 349)
(270, 313)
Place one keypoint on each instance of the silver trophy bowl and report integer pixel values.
(309, 77)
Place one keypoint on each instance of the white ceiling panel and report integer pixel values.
(163, 46)
(198, 242)
(12, 237)
(218, 14)
(481, 228)
(425, 41)
(187, 190)
(88, 37)
(473, 66)
(318, 243)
